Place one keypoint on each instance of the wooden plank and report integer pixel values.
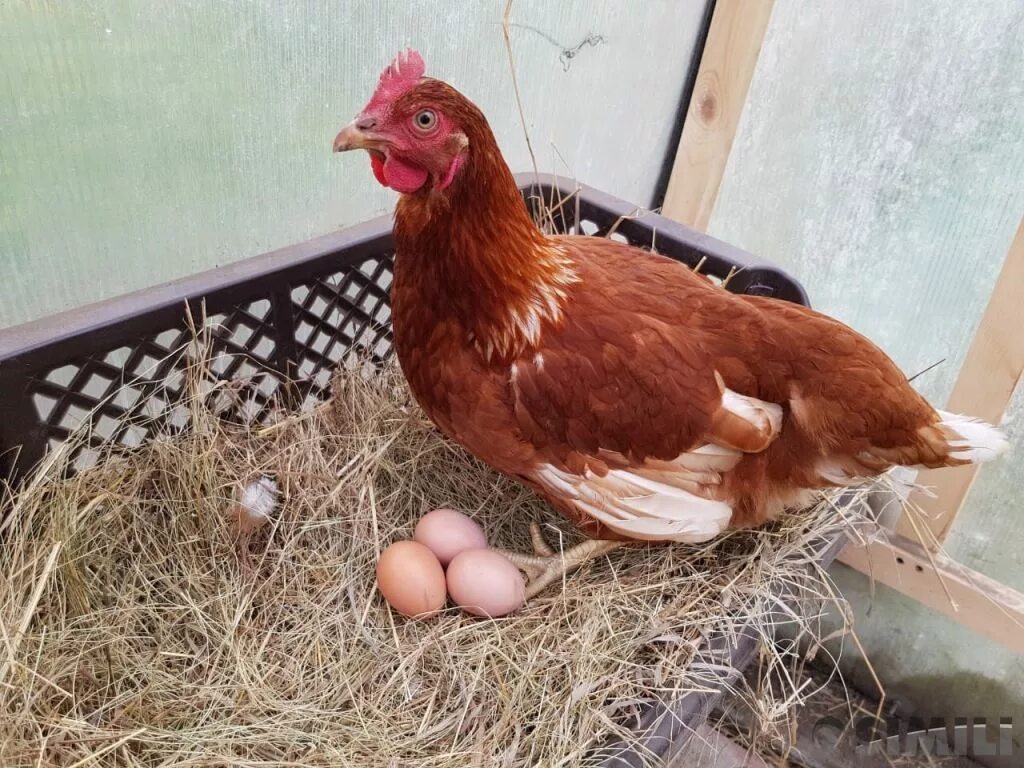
(719, 94)
(964, 595)
(986, 382)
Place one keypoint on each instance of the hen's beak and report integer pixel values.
(357, 135)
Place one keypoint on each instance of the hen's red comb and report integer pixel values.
(398, 77)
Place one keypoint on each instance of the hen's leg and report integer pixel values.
(546, 565)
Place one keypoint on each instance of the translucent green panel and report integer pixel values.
(881, 158)
(142, 141)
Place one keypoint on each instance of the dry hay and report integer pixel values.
(135, 634)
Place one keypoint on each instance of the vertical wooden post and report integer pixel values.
(726, 69)
(984, 386)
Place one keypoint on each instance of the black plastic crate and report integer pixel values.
(279, 323)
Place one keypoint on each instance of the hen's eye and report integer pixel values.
(425, 119)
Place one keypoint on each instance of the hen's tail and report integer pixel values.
(971, 440)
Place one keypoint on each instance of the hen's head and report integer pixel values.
(416, 129)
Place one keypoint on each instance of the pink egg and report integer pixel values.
(410, 579)
(446, 533)
(485, 583)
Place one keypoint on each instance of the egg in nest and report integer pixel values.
(411, 579)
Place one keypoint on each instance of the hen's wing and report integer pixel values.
(625, 403)
(666, 408)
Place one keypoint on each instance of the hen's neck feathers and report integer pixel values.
(473, 253)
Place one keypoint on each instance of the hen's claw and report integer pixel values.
(546, 565)
(540, 547)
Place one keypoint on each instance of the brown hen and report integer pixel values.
(641, 400)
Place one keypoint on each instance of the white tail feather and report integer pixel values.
(980, 441)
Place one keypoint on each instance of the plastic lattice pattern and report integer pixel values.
(132, 392)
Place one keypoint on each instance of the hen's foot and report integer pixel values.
(545, 565)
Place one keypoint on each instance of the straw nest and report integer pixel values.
(137, 632)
